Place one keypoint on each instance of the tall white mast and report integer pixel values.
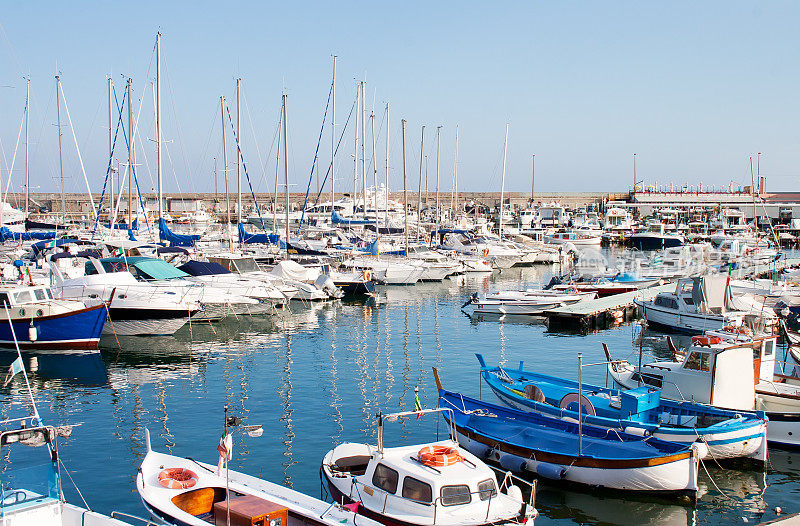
(363, 157)
(333, 135)
(503, 181)
(111, 219)
(27, 120)
(277, 173)
(374, 175)
(60, 155)
(158, 124)
(286, 174)
(225, 167)
(438, 134)
(386, 169)
(419, 185)
(130, 152)
(454, 194)
(355, 148)
(405, 188)
(238, 151)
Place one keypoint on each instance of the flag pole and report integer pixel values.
(24, 373)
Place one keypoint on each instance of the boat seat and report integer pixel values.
(200, 501)
(532, 392)
(356, 465)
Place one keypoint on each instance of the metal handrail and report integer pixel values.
(115, 514)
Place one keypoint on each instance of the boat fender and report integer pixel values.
(512, 463)
(700, 449)
(478, 449)
(551, 471)
(638, 431)
(33, 334)
(515, 493)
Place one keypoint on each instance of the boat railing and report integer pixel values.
(148, 522)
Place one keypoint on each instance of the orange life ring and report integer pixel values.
(177, 478)
(485, 252)
(706, 341)
(367, 275)
(439, 456)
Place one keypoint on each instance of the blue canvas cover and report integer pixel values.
(175, 240)
(203, 268)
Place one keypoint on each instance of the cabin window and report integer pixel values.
(39, 293)
(385, 478)
(417, 490)
(697, 361)
(23, 296)
(768, 347)
(487, 489)
(49, 294)
(4, 299)
(455, 495)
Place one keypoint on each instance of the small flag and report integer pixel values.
(15, 367)
(225, 449)
(52, 244)
(417, 404)
(118, 252)
(353, 507)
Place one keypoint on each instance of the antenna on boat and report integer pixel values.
(225, 449)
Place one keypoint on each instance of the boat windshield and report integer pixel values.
(246, 265)
(28, 476)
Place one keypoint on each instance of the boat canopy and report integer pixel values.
(247, 237)
(175, 240)
(203, 268)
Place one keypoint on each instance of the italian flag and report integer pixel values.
(225, 449)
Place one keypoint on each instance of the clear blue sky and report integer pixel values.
(694, 88)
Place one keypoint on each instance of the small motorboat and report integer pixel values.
(185, 492)
(437, 483)
(639, 411)
(531, 301)
(573, 452)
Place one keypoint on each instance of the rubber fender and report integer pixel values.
(512, 463)
(551, 471)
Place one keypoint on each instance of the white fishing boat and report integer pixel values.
(185, 492)
(437, 483)
(727, 369)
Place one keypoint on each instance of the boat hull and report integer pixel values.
(78, 330)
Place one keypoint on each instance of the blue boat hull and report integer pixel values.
(75, 330)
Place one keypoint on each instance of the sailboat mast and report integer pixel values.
(363, 160)
(110, 154)
(238, 151)
(158, 124)
(277, 173)
(225, 166)
(503, 181)
(129, 87)
(27, 120)
(438, 144)
(419, 185)
(60, 155)
(374, 175)
(533, 173)
(386, 170)
(355, 148)
(333, 135)
(405, 189)
(454, 194)
(286, 174)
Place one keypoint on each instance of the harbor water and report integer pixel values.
(316, 376)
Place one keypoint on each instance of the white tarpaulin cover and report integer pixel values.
(295, 271)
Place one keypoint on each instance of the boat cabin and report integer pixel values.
(716, 370)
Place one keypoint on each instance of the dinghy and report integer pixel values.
(422, 484)
(639, 411)
(567, 451)
(525, 301)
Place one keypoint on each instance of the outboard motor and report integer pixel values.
(326, 284)
(472, 299)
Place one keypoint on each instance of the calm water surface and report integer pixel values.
(317, 376)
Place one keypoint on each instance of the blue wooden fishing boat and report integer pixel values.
(568, 451)
(639, 411)
(42, 322)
